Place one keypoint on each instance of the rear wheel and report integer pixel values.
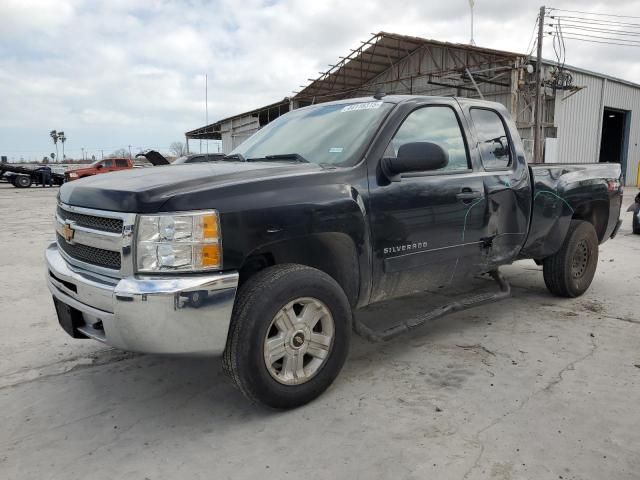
(289, 335)
(22, 181)
(570, 271)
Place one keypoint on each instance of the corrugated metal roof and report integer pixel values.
(375, 56)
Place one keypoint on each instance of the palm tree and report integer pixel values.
(63, 139)
(54, 137)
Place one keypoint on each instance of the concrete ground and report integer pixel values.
(534, 387)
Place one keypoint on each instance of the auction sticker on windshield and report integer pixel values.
(362, 106)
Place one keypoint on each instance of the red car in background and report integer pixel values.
(101, 166)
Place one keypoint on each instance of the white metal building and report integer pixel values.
(587, 117)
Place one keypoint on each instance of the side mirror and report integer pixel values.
(99, 166)
(415, 157)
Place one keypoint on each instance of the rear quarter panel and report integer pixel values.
(563, 192)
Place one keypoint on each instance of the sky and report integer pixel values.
(120, 73)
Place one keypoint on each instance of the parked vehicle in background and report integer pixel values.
(635, 208)
(101, 166)
(156, 158)
(198, 158)
(24, 177)
(264, 256)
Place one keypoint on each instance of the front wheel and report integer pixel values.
(289, 336)
(570, 271)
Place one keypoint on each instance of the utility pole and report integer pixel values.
(130, 157)
(82, 148)
(537, 133)
(101, 154)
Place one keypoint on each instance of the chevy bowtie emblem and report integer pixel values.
(68, 232)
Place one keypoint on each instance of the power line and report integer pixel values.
(597, 30)
(601, 38)
(567, 37)
(592, 13)
(592, 21)
(532, 41)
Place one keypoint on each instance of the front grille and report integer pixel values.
(104, 224)
(92, 255)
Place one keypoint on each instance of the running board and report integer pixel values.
(416, 322)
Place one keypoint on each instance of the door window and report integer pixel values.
(107, 163)
(493, 141)
(121, 163)
(437, 124)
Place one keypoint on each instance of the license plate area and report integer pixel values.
(69, 319)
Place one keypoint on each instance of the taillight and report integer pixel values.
(614, 186)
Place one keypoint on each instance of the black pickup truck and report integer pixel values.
(263, 255)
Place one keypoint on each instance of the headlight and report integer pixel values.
(180, 241)
(73, 175)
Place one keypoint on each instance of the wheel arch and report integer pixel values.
(334, 253)
(596, 213)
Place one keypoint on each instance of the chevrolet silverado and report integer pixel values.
(263, 256)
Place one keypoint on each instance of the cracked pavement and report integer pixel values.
(529, 388)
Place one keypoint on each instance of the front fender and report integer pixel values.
(323, 226)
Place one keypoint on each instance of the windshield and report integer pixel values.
(323, 134)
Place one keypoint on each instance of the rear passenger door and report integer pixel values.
(121, 164)
(506, 183)
(426, 228)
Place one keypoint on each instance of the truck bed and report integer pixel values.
(562, 192)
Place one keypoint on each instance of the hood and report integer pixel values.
(146, 190)
(81, 169)
(155, 158)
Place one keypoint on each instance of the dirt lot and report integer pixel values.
(534, 387)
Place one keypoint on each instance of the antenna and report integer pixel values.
(379, 93)
(471, 5)
(206, 108)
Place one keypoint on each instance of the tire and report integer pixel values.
(570, 271)
(636, 222)
(22, 181)
(257, 319)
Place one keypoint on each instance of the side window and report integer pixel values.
(198, 159)
(107, 163)
(437, 124)
(493, 141)
(121, 162)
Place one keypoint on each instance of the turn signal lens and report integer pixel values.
(210, 255)
(209, 227)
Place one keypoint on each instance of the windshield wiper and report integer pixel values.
(234, 156)
(281, 156)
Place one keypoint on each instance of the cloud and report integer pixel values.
(121, 72)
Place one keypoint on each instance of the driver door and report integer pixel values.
(426, 228)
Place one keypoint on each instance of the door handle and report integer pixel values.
(469, 195)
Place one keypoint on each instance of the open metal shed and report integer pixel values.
(586, 117)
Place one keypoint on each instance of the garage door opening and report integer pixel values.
(615, 134)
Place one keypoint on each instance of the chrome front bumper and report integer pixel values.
(152, 314)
